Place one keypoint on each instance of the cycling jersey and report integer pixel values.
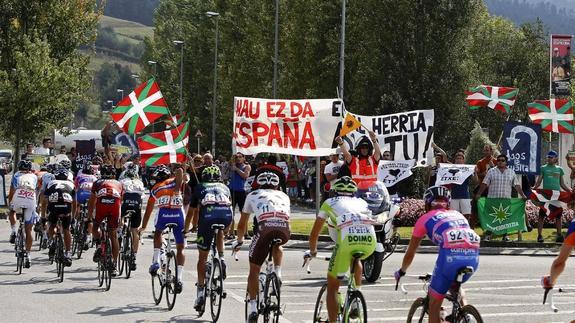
(271, 210)
(46, 179)
(458, 246)
(570, 237)
(84, 183)
(170, 207)
(108, 194)
(214, 202)
(352, 230)
(24, 186)
(60, 195)
(132, 200)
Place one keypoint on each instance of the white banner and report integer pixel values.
(407, 135)
(295, 127)
(392, 172)
(453, 173)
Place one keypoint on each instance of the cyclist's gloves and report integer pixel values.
(398, 274)
(546, 282)
(308, 254)
(236, 245)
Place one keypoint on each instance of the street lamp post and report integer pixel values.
(155, 64)
(120, 91)
(215, 15)
(276, 50)
(181, 44)
(342, 50)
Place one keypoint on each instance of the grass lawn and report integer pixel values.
(303, 226)
(97, 59)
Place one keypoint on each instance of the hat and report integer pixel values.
(552, 153)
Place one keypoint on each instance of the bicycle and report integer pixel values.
(106, 263)
(126, 257)
(39, 234)
(80, 232)
(352, 308)
(549, 293)
(269, 290)
(166, 276)
(59, 257)
(19, 243)
(459, 313)
(214, 282)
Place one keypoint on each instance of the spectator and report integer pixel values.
(552, 178)
(224, 169)
(481, 168)
(46, 147)
(29, 151)
(302, 182)
(332, 169)
(240, 171)
(440, 157)
(364, 166)
(460, 197)
(292, 182)
(500, 180)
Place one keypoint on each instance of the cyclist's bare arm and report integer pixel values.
(410, 252)
(147, 214)
(179, 172)
(559, 263)
(11, 193)
(242, 226)
(314, 234)
(91, 205)
(189, 217)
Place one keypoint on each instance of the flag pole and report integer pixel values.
(506, 120)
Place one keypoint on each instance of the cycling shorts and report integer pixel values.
(266, 232)
(176, 216)
(446, 267)
(570, 237)
(66, 219)
(349, 244)
(109, 211)
(83, 196)
(133, 202)
(30, 215)
(205, 232)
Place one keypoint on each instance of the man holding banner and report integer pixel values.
(499, 213)
(364, 166)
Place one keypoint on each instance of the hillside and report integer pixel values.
(558, 16)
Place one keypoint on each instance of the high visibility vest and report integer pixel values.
(364, 169)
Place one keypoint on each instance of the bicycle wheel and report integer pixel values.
(320, 309)
(121, 261)
(355, 309)
(418, 311)
(40, 240)
(171, 276)
(101, 270)
(469, 314)
(109, 264)
(60, 257)
(157, 287)
(19, 252)
(80, 243)
(127, 256)
(216, 289)
(272, 311)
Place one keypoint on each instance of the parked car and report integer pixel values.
(6, 161)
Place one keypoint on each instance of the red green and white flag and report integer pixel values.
(175, 120)
(494, 97)
(551, 202)
(164, 147)
(140, 108)
(555, 115)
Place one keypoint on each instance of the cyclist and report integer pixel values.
(558, 265)
(458, 246)
(347, 217)
(23, 195)
(61, 203)
(167, 194)
(132, 201)
(46, 179)
(106, 198)
(67, 164)
(84, 182)
(213, 199)
(271, 210)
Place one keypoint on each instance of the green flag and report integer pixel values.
(502, 216)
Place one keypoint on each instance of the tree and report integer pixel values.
(42, 75)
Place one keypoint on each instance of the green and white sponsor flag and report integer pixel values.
(502, 216)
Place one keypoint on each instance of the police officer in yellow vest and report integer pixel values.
(363, 168)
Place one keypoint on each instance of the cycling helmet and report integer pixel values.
(268, 180)
(66, 163)
(344, 186)
(375, 194)
(97, 160)
(24, 165)
(107, 172)
(51, 168)
(162, 173)
(61, 173)
(131, 171)
(44, 167)
(212, 174)
(437, 197)
(87, 168)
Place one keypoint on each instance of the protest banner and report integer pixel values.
(37, 159)
(391, 172)
(560, 69)
(85, 150)
(453, 173)
(522, 145)
(500, 216)
(295, 127)
(406, 135)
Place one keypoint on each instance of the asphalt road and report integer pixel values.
(505, 289)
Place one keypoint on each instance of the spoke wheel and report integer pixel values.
(320, 314)
(469, 314)
(272, 304)
(19, 252)
(101, 270)
(121, 261)
(80, 244)
(356, 309)
(60, 258)
(157, 287)
(171, 274)
(127, 254)
(418, 311)
(109, 265)
(216, 289)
